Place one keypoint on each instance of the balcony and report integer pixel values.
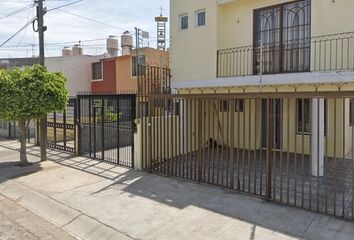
(325, 53)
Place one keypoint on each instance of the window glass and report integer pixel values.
(224, 106)
(303, 116)
(96, 71)
(184, 22)
(239, 105)
(200, 18)
(142, 62)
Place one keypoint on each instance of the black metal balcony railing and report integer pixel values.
(333, 52)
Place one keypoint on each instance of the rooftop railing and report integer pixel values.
(333, 52)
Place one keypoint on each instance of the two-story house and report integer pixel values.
(264, 91)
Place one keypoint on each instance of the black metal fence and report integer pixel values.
(291, 148)
(107, 127)
(61, 128)
(321, 53)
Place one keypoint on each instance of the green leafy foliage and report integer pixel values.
(31, 93)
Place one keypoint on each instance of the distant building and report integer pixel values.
(118, 74)
(75, 68)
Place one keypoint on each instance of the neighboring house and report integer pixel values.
(75, 68)
(118, 74)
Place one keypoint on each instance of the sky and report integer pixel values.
(65, 28)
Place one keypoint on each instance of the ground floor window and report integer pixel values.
(303, 124)
(239, 105)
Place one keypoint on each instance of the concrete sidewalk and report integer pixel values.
(95, 200)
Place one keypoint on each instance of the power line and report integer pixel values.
(20, 30)
(91, 19)
(16, 11)
(65, 5)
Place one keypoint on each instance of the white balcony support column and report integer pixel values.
(317, 137)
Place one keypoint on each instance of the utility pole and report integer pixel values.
(43, 121)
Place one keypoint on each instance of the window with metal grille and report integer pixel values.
(96, 71)
(282, 38)
(142, 63)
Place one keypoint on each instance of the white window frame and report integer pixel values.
(180, 22)
(97, 80)
(196, 17)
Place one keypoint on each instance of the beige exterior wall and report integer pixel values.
(193, 51)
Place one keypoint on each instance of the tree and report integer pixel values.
(30, 94)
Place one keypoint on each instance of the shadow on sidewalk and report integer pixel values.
(182, 194)
(11, 170)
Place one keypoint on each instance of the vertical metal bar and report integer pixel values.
(274, 147)
(310, 159)
(222, 133)
(335, 158)
(218, 140)
(212, 145)
(209, 139)
(132, 129)
(255, 144)
(64, 128)
(249, 143)
(195, 139)
(149, 135)
(227, 147)
(94, 131)
(261, 146)
(238, 146)
(295, 158)
(117, 103)
(281, 147)
(200, 139)
(172, 137)
(103, 128)
(344, 160)
(352, 182)
(204, 137)
(78, 125)
(55, 128)
(232, 144)
(326, 158)
(288, 152)
(180, 156)
(190, 137)
(269, 147)
(302, 151)
(244, 150)
(318, 153)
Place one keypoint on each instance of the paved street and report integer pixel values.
(16, 222)
(94, 200)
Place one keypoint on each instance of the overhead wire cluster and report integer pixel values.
(57, 45)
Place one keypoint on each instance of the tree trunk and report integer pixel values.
(23, 153)
(43, 137)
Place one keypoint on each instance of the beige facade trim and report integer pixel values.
(271, 79)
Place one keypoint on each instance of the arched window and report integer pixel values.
(282, 35)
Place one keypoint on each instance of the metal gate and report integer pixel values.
(106, 127)
(61, 128)
(288, 148)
